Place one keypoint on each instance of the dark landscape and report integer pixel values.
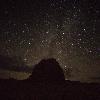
(49, 49)
(47, 82)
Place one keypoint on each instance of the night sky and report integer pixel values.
(67, 30)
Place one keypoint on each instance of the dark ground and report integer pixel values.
(25, 90)
(47, 83)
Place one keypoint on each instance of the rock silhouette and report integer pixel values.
(47, 71)
(47, 82)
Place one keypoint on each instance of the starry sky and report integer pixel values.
(67, 30)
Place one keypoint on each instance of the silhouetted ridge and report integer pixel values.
(49, 85)
(47, 70)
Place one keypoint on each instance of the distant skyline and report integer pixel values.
(67, 30)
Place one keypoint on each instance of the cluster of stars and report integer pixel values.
(61, 29)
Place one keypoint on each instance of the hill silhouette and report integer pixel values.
(47, 71)
(47, 83)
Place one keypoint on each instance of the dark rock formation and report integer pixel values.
(50, 72)
(47, 71)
